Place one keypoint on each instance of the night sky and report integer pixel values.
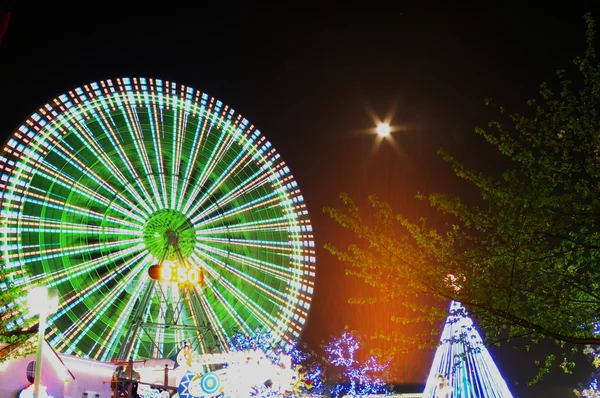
(309, 77)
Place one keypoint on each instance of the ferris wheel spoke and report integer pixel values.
(96, 314)
(58, 227)
(241, 161)
(52, 226)
(113, 132)
(60, 205)
(222, 258)
(132, 120)
(78, 300)
(245, 304)
(90, 140)
(179, 130)
(238, 296)
(276, 224)
(155, 118)
(207, 125)
(246, 187)
(266, 201)
(46, 254)
(56, 277)
(192, 159)
(35, 254)
(264, 268)
(67, 182)
(200, 318)
(77, 297)
(30, 223)
(209, 310)
(230, 313)
(209, 168)
(205, 313)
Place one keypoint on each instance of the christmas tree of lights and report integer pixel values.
(462, 366)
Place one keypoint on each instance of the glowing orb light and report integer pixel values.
(383, 129)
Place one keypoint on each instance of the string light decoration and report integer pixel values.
(462, 366)
(591, 389)
(361, 379)
(97, 182)
(304, 362)
(352, 378)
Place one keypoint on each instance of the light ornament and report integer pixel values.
(590, 389)
(254, 376)
(363, 379)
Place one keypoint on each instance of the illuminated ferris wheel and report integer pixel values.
(115, 177)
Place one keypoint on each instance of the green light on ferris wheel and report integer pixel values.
(94, 184)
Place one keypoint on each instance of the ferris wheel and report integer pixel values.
(117, 178)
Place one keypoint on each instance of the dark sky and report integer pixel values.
(306, 76)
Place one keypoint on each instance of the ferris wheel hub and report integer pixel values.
(169, 230)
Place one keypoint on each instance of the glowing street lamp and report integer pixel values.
(42, 301)
(383, 129)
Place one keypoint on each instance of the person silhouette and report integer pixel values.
(444, 387)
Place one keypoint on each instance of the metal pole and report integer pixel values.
(138, 319)
(39, 356)
(130, 377)
(115, 385)
(166, 380)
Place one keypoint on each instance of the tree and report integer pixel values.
(304, 360)
(356, 379)
(591, 389)
(16, 332)
(336, 374)
(524, 257)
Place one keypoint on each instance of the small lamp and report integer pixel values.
(41, 301)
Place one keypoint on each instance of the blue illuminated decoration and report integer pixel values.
(590, 389)
(363, 378)
(355, 378)
(308, 371)
(462, 366)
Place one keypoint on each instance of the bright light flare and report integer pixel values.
(41, 298)
(383, 129)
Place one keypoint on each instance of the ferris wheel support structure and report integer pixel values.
(171, 313)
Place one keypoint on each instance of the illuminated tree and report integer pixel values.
(591, 389)
(462, 364)
(337, 374)
(358, 379)
(302, 357)
(525, 254)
